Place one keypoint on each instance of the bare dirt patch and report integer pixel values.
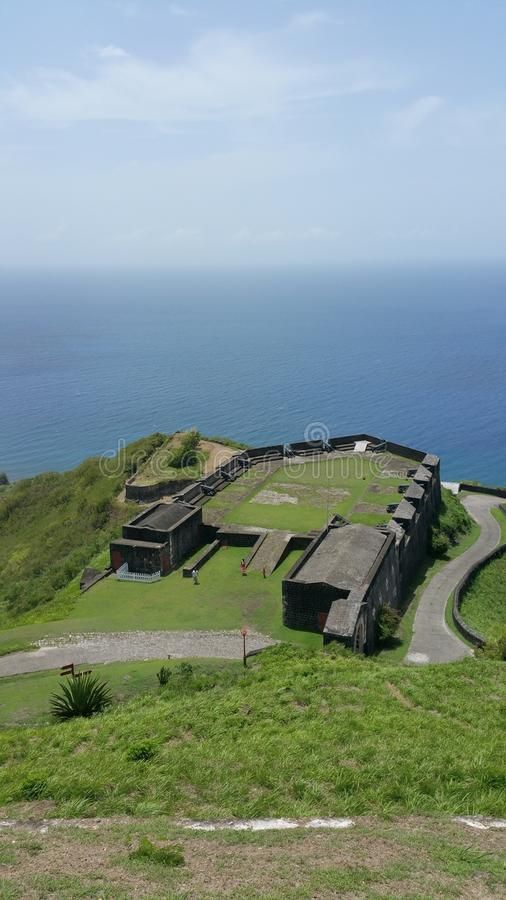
(273, 498)
(305, 494)
(395, 692)
(403, 857)
(217, 455)
(369, 508)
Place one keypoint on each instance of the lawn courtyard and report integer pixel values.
(300, 496)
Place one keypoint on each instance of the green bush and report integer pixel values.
(80, 696)
(184, 670)
(439, 544)
(453, 521)
(33, 789)
(142, 752)
(163, 675)
(3, 478)
(166, 856)
(186, 455)
(387, 623)
(495, 649)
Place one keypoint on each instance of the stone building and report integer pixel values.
(349, 571)
(158, 539)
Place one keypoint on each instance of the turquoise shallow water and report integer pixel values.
(414, 354)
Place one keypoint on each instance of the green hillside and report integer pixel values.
(298, 733)
(52, 525)
(484, 601)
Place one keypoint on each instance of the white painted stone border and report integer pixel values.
(481, 823)
(265, 824)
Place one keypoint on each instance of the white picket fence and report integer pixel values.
(122, 574)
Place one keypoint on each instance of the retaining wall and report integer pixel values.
(148, 493)
(483, 489)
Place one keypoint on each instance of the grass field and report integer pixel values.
(416, 858)
(484, 602)
(299, 733)
(223, 600)
(301, 496)
(500, 516)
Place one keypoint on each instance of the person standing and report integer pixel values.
(195, 576)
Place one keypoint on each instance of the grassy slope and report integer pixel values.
(223, 600)
(299, 733)
(500, 515)
(52, 525)
(484, 602)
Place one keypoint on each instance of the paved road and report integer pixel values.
(432, 639)
(130, 645)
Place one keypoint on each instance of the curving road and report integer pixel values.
(129, 646)
(432, 640)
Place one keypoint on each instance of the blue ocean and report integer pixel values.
(415, 354)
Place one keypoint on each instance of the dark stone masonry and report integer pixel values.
(347, 572)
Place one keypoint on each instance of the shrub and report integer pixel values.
(166, 856)
(186, 454)
(387, 623)
(185, 670)
(33, 789)
(453, 521)
(163, 675)
(3, 478)
(439, 544)
(495, 649)
(80, 696)
(142, 752)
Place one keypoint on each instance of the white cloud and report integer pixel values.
(179, 11)
(222, 76)
(312, 19)
(52, 235)
(111, 52)
(128, 8)
(407, 122)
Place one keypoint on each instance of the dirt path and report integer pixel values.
(432, 640)
(130, 645)
(371, 857)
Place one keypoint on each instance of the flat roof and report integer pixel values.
(161, 517)
(147, 545)
(344, 557)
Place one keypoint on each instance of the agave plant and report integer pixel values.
(82, 696)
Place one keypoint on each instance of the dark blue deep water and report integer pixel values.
(414, 354)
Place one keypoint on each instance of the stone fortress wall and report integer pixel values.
(348, 616)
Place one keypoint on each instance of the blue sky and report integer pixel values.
(150, 132)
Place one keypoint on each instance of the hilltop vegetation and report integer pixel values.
(453, 522)
(299, 733)
(484, 601)
(52, 525)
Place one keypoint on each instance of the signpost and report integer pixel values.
(70, 670)
(244, 632)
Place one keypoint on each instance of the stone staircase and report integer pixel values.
(270, 552)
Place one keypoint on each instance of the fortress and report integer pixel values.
(355, 562)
